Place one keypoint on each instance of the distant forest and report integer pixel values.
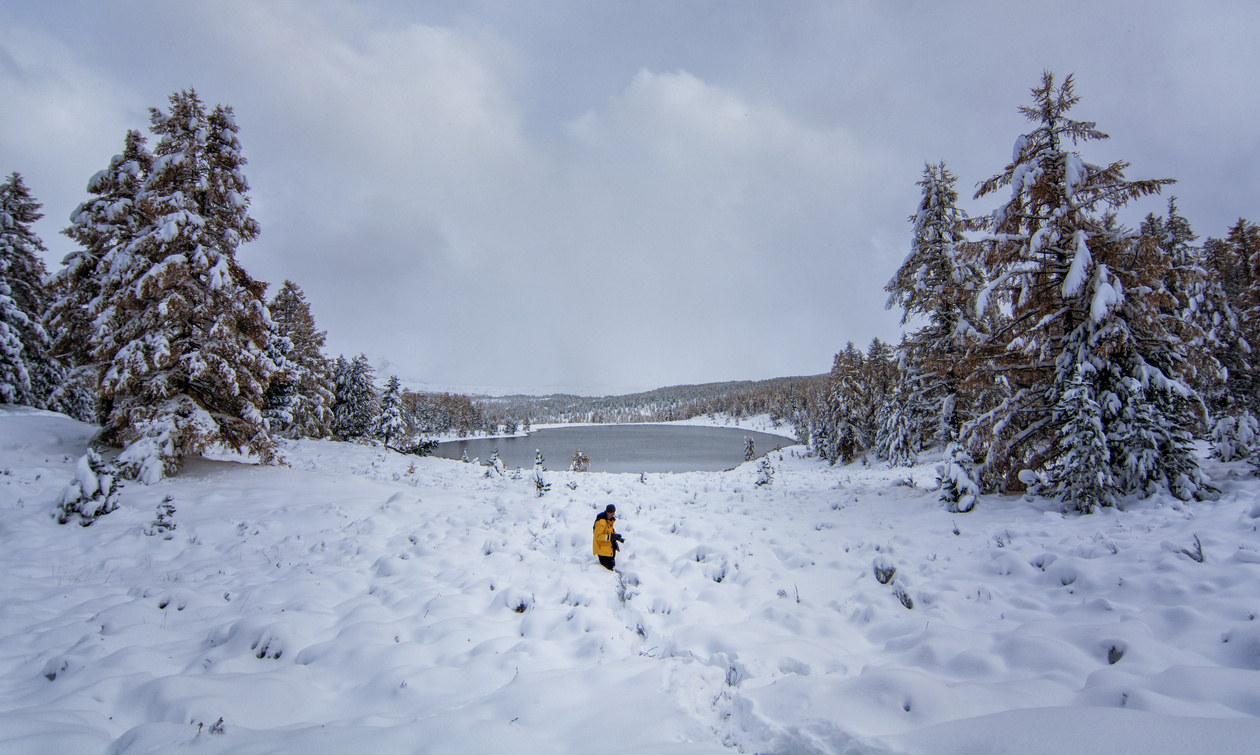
(786, 400)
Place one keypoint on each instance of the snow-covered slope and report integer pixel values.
(359, 601)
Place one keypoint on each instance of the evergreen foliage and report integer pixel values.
(92, 493)
(354, 395)
(173, 331)
(391, 423)
(305, 389)
(839, 431)
(541, 486)
(957, 480)
(28, 373)
(938, 283)
(1082, 472)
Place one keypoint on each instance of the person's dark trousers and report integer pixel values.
(608, 562)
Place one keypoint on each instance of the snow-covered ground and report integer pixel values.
(360, 601)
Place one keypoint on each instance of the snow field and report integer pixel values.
(365, 601)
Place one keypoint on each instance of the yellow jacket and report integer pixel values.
(602, 543)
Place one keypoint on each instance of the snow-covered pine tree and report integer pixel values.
(180, 341)
(280, 401)
(937, 282)
(839, 427)
(92, 493)
(1081, 474)
(1231, 299)
(957, 479)
(104, 227)
(1244, 240)
(28, 373)
(541, 486)
(910, 419)
(1059, 269)
(312, 416)
(879, 375)
(355, 407)
(391, 423)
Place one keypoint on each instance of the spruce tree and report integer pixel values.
(310, 381)
(28, 373)
(391, 423)
(839, 431)
(355, 405)
(1232, 297)
(937, 283)
(1082, 472)
(181, 339)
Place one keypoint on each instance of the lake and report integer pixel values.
(623, 448)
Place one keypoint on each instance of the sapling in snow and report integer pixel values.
(92, 493)
(765, 473)
(541, 486)
(164, 522)
(957, 480)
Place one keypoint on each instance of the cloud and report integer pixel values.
(606, 197)
(58, 115)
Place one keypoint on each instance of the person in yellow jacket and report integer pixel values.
(605, 541)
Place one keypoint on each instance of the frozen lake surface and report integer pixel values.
(623, 448)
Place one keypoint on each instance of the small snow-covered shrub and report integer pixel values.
(765, 473)
(581, 462)
(957, 480)
(164, 523)
(1236, 438)
(92, 493)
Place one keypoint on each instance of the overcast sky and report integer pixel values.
(603, 197)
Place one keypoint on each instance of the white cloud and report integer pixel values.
(57, 116)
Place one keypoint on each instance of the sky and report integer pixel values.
(604, 197)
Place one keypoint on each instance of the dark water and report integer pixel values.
(623, 448)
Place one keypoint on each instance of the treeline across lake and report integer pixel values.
(787, 400)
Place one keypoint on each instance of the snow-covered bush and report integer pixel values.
(1236, 438)
(957, 480)
(581, 462)
(765, 473)
(164, 523)
(92, 493)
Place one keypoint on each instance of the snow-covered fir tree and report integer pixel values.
(1081, 475)
(180, 340)
(879, 375)
(936, 283)
(838, 431)
(355, 405)
(391, 423)
(28, 373)
(1065, 277)
(280, 401)
(104, 226)
(311, 379)
(541, 486)
(92, 493)
(1229, 306)
(957, 479)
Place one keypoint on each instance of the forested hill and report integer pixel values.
(782, 398)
